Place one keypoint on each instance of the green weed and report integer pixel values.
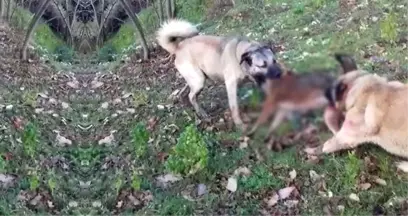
(21, 18)
(118, 184)
(140, 137)
(190, 153)
(260, 179)
(30, 140)
(3, 164)
(136, 181)
(34, 181)
(52, 182)
(140, 99)
(176, 206)
(389, 28)
(351, 170)
(29, 98)
(47, 39)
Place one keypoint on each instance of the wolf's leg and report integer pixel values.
(268, 108)
(279, 117)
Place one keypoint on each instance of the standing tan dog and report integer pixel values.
(375, 112)
(219, 58)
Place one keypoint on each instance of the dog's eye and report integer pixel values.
(264, 64)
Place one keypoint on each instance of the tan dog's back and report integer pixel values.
(394, 130)
(386, 104)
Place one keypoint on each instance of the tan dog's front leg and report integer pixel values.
(232, 85)
(373, 116)
(347, 138)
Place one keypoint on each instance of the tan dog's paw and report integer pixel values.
(403, 166)
(314, 151)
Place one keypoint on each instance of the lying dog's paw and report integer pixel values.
(403, 166)
(314, 151)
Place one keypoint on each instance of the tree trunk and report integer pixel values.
(173, 8)
(160, 6)
(8, 12)
(139, 28)
(168, 9)
(31, 27)
(1, 9)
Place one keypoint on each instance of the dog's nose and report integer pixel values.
(273, 72)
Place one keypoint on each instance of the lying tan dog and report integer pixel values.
(375, 112)
(199, 57)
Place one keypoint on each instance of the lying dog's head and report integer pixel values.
(258, 61)
(337, 92)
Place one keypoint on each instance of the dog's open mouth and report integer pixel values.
(259, 78)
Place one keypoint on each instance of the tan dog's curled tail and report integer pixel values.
(172, 32)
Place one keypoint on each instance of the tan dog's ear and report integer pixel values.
(347, 62)
(246, 57)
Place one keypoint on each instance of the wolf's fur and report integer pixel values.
(219, 58)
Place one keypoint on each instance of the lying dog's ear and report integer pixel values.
(246, 57)
(335, 92)
(339, 91)
(328, 93)
(347, 62)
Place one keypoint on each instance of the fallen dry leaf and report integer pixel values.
(242, 170)
(108, 139)
(6, 180)
(18, 123)
(292, 174)
(380, 181)
(201, 189)
(104, 105)
(244, 142)
(282, 194)
(314, 176)
(62, 141)
(354, 197)
(168, 178)
(64, 105)
(232, 184)
(364, 186)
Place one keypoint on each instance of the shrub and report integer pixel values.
(107, 53)
(190, 153)
(63, 53)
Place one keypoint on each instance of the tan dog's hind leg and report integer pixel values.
(195, 80)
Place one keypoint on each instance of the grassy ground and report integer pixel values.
(129, 139)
